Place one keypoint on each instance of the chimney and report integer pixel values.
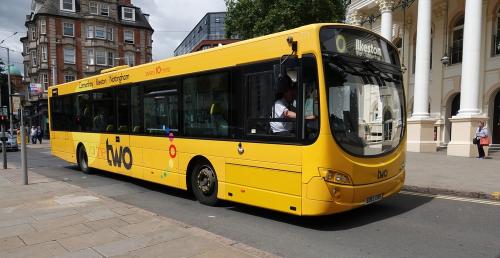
(124, 2)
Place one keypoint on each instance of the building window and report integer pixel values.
(44, 53)
(128, 14)
(90, 57)
(26, 48)
(69, 55)
(45, 81)
(93, 8)
(129, 59)
(33, 33)
(457, 41)
(90, 32)
(100, 57)
(67, 5)
(111, 59)
(496, 37)
(68, 29)
(128, 36)
(100, 32)
(109, 33)
(105, 9)
(69, 77)
(33, 58)
(43, 27)
(217, 20)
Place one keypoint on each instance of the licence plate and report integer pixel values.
(374, 198)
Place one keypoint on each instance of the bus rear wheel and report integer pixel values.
(82, 159)
(204, 184)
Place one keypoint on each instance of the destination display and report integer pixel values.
(357, 43)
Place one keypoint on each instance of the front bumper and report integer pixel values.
(341, 198)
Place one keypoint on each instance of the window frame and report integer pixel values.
(66, 61)
(103, 6)
(90, 56)
(101, 29)
(128, 10)
(43, 50)
(128, 39)
(73, 7)
(72, 29)
(93, 5)
(43, 27)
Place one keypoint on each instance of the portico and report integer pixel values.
(453, 62)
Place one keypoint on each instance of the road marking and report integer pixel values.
(453, 198)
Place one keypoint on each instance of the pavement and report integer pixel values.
(51, 218)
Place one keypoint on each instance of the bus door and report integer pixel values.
(265, 168)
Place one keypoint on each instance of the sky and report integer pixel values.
(171, 19)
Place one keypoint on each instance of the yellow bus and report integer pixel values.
(309, 121)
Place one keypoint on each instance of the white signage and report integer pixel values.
(368, 49)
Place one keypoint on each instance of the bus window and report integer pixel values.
(310, 100)
(272, 103)
(103, 115)
(206, 105)
(82, 112)
(161, 108)
(122, 110)
(136, 123)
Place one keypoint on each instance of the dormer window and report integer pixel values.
(128, 14)
(68, 5)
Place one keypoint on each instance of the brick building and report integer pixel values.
(72, 39)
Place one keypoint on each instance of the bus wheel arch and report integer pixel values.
(201, 179)
(82, 158)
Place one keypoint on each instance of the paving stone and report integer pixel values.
(182, 247)
(100, 214)
(59, 222)
(15, 221)
(91, 239)
(85, 253)
(10, 243)
(43, 250)
(135, 218)
(144, 227)
(55, 214)
(125, 210)
(16, 230)
(55, 234)
(123, 246)
(106, 223)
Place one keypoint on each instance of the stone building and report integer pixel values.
(72, 39)
(452, 66)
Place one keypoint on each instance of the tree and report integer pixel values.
(252, 18)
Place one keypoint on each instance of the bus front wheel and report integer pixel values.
(82, 159)
(204, 184)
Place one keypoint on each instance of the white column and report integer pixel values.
(422, 64)
(386, 23)
(469, 97)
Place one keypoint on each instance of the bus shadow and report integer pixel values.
(145, 185)
(393, 206)
(385, 209)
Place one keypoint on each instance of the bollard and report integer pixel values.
(24, 161)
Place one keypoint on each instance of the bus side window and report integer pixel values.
(310, 100)
(206, 105)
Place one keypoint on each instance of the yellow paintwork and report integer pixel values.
(285, 178)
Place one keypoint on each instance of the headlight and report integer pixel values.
(335, 177)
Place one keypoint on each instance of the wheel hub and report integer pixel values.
(205, 180)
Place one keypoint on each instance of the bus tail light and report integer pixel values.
(336, 177)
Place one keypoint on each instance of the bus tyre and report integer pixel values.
(204, 184)
(82, 159)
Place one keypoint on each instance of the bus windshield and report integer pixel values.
(365, 102)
